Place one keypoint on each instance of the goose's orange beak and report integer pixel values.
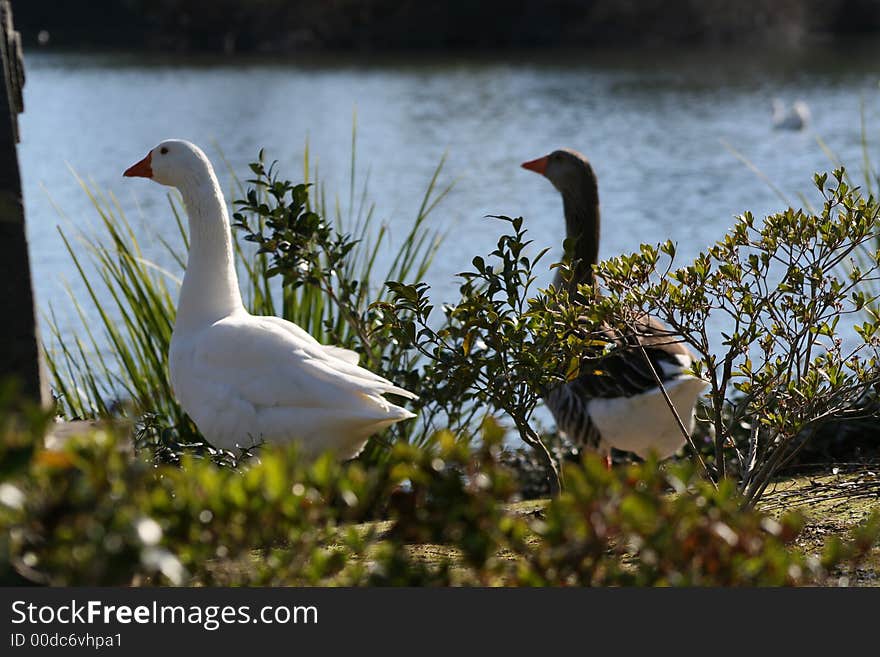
(538, 166)
(142, 169)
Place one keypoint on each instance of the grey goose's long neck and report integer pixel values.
(581, 210)
(210, 286)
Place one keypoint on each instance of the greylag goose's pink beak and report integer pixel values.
(142, 169)
(538, 166)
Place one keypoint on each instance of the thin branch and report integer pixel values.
(684, 431)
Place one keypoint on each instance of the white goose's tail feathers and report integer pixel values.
(400, 413)
(400, 392)
(392, 412)
(368, 381)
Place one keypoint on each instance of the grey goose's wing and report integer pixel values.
(625, 372)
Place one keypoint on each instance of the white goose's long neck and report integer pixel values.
(210, 286)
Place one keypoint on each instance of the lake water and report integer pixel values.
(652, 125)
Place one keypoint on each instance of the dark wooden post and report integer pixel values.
(20, 355)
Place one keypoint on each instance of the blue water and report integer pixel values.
(653, 125)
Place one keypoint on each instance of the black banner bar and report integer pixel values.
(229, 621)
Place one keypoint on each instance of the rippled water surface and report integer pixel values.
(652, 125)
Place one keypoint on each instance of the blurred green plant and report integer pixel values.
(94, 513)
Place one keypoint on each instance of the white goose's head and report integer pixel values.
(174, 162)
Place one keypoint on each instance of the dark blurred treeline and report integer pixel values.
(298, 25)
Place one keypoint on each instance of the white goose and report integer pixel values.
(245, 379)
(616, 402)
(795, 117)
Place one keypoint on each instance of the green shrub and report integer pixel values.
(325, 277)
(498, 347)
(93, 513)
(783, 369)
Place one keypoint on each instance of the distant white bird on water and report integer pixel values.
(246, 379)
(795, 117)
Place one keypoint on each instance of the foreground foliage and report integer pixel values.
(94, 513)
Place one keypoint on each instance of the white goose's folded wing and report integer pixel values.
(252, 379)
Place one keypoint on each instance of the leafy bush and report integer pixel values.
(325, 279)
(781, 287)
(93, 513)
(784, 370)
(498, 347)
(853, 437)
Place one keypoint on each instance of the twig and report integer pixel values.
(671, 406)
(532, 438)
(752, 457)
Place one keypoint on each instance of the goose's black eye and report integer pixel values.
(163, 150)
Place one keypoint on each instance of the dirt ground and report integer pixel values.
(832, 500)
(832, 503)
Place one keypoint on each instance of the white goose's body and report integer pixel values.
(246, 379)
(616, 402)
